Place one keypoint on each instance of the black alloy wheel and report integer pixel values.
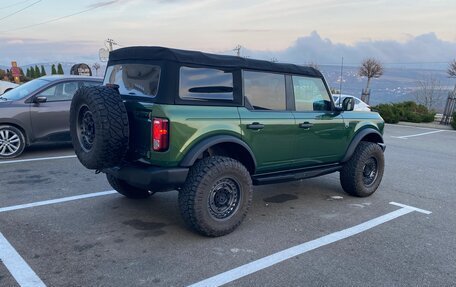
(86, 128)
(224, 198)
(370, 171)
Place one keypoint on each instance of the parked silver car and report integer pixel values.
(38, 111)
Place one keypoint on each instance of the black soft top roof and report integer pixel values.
(206, 59)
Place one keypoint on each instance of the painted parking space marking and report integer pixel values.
(16, 265)
(417, 135)
(412, 127)
(37, 159)
(55, 201)
(268, 261)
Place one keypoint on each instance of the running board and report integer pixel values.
(292, 175)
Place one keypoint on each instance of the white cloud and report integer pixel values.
(313, 48)
(307, 49)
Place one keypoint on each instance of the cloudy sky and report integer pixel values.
(317, 31)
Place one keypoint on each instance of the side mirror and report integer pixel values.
(39, 99)
(348, 104)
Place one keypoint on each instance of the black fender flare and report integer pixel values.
(193, 154)
(357, 139)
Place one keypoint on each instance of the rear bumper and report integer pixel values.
(151, 177)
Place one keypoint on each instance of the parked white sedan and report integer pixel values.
(359, 105)
(6, 86)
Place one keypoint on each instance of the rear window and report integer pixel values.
(205, 84)
(134, 79)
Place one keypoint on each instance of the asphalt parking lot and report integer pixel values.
(57, 229)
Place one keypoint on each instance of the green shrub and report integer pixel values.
(453, 122)
(428, 118)
(406, 111)
(388, 112)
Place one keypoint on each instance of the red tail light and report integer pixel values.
(160, 134)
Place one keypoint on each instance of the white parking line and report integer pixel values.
(278, 257)
(417, 135)
(19, 269)
(21, 272)
(37, 159)
(413, 127)
(54, 201)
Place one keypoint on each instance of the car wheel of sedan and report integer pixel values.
(12, 141)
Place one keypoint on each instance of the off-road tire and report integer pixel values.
(107, 143)
(356, 177)
(196, 198)
(12, 137)
(126, 189)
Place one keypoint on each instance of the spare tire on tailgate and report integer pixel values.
(99, 127)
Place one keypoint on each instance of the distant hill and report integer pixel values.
(396, 84)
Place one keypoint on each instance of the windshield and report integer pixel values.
(23, 90)
(134, 79)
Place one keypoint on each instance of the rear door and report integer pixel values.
(267, 124)
(321, 134)
(50, 120)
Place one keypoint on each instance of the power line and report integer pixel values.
(20, 10)
(15, 4)
(50, 21)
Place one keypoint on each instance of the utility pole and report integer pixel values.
(110, 42)
(238, 50)
(341, 79)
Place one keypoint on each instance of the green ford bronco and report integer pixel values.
(212, 126)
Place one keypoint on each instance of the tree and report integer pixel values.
(9, 75)
(313, 65)
(27, 74)
(452, 69)
(59, 69)
(430, 92)
(96, 67)
(37, 72)
(43, 71)
(53, 70)
(32, 73)
(370, 68)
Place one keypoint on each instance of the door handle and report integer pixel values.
(305, 125)
(255, 126)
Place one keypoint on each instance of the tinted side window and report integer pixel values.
(134, 79)
(265, 91)
(60, 92)
(205, 84)
(310, 94)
